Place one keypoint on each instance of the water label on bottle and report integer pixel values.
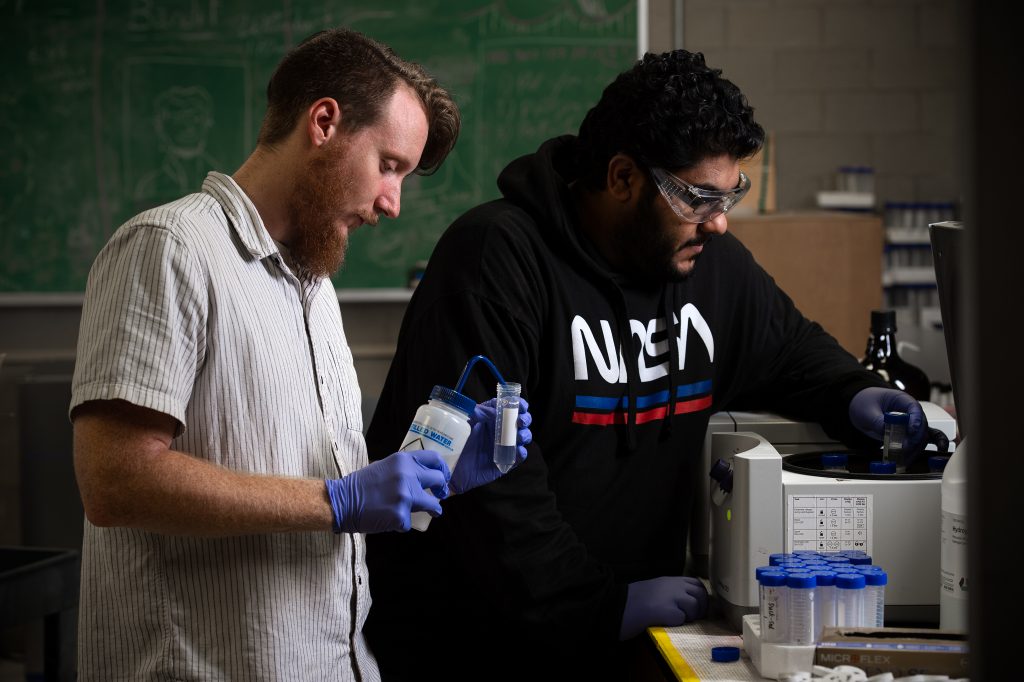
(418, 431)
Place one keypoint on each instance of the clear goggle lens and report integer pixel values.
(694, 204)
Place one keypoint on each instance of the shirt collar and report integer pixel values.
(241, 213)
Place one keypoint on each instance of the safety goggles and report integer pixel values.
(696, 205)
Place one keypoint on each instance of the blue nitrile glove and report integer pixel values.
(380, 496)
(867, 413)
(666, 601)
(476, 463)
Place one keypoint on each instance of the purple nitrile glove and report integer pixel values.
(867, 413)
(476, 463)
(666, 601)
(381, 496)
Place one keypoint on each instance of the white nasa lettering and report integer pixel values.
(609, 372)
(583, 340)
(689, 315)
(648, 347)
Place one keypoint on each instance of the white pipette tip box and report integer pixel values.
(771, 660)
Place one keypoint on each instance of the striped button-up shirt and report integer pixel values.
(191, 310)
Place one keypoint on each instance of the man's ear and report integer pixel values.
(623, 179)
(323, 121)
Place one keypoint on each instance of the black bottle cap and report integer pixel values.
(883, 320)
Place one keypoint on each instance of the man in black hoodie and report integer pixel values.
(603, 281)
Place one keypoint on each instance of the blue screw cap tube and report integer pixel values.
(773, 595)
(850, 600)
(874, 598)
(801, 612)
(894, 436)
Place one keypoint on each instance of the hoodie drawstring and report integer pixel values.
(668, 300)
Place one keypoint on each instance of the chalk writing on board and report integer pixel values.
(108, 108)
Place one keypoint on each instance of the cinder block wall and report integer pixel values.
(840, 82)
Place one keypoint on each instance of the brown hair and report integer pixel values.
(361, 74)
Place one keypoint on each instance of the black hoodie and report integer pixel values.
(536, 564)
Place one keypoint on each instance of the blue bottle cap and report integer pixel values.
(761, 569)
(825, 578)
(833, 560)
(801, 581)
(833, 459)
(866, 568)
(875, 577)
(850, 581)
(860, 560)
(450, 396)
(882, 467)
(937, 463)
(901, 418)
(773, 578)
(725, 654)
(790, 565)
(855, 552)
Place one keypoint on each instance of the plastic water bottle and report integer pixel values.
(850, 600)
(953, 593)
(442, 425)
(801, 610)
(772, 594)
(874, 597)
(505, 430)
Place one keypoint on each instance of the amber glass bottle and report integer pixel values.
(881, 357)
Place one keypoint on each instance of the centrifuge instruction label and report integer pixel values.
(828, 523)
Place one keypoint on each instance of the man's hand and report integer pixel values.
(666, 601)
(381, 496)
(867, 413)
(476, 463)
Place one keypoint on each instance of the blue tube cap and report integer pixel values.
(901, 418)
(725, 654)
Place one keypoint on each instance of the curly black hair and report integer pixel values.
(669, 110)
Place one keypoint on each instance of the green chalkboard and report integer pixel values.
(110, 107)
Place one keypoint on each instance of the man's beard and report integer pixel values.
(318, 246)
(648, 246)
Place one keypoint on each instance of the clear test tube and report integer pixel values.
(874, 598)
(772, 597)
(825, 602)
(505, 429)
(883, 468)
(835, 462)
(801, 610)
(850, 600)
(893, 439)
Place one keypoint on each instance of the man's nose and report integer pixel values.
(390, 200)
(717, 225)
